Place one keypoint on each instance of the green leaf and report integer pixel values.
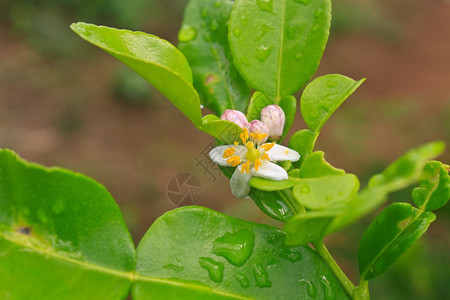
(271, 185)
(196, 253)
(272, 204)
(308, 227)
(323, 96)
(393, 231)
(204, 41)
(315, 166)
(434, 190)
(61, 235)
(324, 192)
(401, 173)
(289, 106)
(277, 45)
(303, 142)
(155, 59)
(223, 130)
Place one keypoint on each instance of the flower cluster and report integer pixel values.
(252, 155)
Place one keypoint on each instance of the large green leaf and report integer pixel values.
(196, 253)
(272, 203)
(303, 142)
(316, 166)
(434, 190)
(155, 59)
(277, 45)
(389, 236)
(204, 41)
(61, 235)
(323, 96)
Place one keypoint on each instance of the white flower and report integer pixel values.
(252, 158)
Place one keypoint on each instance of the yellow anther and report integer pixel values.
(234, 160)
(265, 156)
(236, 143)
(249, 145)
(245, 167)
(267, 147)
(262, 136)
(257, 164)
(229, 152)
(287, 151)
(253, 135)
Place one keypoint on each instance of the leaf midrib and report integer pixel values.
(131, 276)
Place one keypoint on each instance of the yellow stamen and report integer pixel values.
(262, 136)
(245, 167)
(236, 143)
(265, 156)
(257, 164)
(244, 136)
(249, 145)
(229, 152)
(234, 161)
(253, 135)
(267, 147)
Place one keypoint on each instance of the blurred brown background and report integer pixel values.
(64, 102)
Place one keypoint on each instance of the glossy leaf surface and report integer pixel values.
(155, 59)
(223, 130)
(204, 41)
(277, 45)
(393, 231)
(200, 254)
(61, 235)
(272, 204)
(323, 96)
(303, 142)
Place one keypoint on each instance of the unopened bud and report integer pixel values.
(235, 116)
(256, 127)
(273, 117)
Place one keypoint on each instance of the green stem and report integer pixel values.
(323, 252)
(362, 291)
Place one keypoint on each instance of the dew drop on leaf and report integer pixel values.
(305, 189)
(218, 4)
(244, 20)
(310, 288)
(243, 280)
(187, 33)
(214, 268)
(207, 37)
(304, 2)
(58, 206)
(174, 265)
(327, 291)
(263, 52)
(318, 13)
(204, 12)
(236, 32)
(266, 5)
(331, 83)
(291, 255)
(261, 276)
(235, 247)
(214, 25)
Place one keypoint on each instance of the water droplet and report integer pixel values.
(243, 280)
(327, 291)
(175, 265)
(261, 276)
(318, 13)
(305, 189)
(42, 216)
(214, 268)
(58, 206)
(266, 5)
(291, 255)
(263, 52)
(218, 4)
(298, 56)
(187, 33)
(204, 12)
(274, 238)
(207, 37)
(294, 31)
(236, 32)
(310, 288)
(236, 247)
(262, 32)
(214, 25)
(244, 20)
(304, 2)
(331, 83)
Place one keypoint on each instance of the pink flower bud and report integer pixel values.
(258, 127)
(235, 116)
(273, 117)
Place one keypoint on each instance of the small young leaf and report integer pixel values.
(272, 204)
(196, 253)
(393, 231)
(223, 130)
(303, 142)
(271, 185)
(308, 227)
(323, 96)
(315, 166)
(434, 190)
(323, 192)
(155, 59)
(277, 45)
(204, 41)
(61, 235)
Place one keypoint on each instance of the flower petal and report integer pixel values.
(216, 154)
(279, 153)
(270, 171)
(239, 182)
